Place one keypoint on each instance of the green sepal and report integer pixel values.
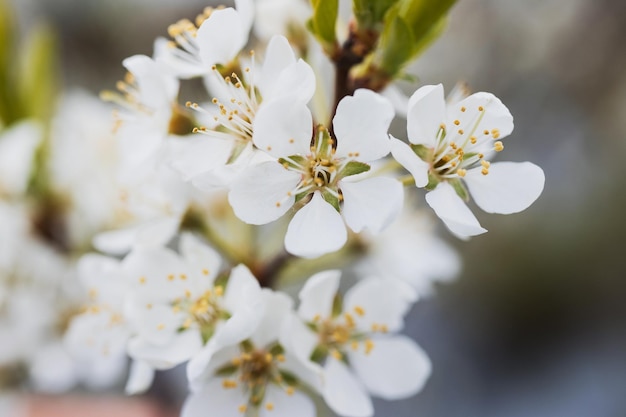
(226, 370)
(331, 199)
(337, 305)
(206, 333)
(322, 23)
(353, 168)
(319, 354)
(459, 188)
(424, 152)
(433, 181)
(237, 150)
(288, 378)
(294, 161)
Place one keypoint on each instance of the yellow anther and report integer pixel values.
(498, 146)
(242, 408)
(205, 271)
(349, 319)
(384, 328)
(461, 131)
(236, 361)
(161, 326)
(481, 156)
(291, 140)
(457, 122)
(95, 309)
(269, 406)
(442, 126)
(473, 140)
(485, 164)
(170, 277)
(187, 293)
(142, 280)
(280, 358)
(354, 345)
(268, 357)
(486, 132)
(484, 171)
(453, 145)
(93, 293)
(369, 345)
(461, 172)
(187, 323)
(228, 383)
(481, 108)
(195, 130)
(336, 354)
(375, 327)
(316, 318)
(360, 311)
(219, 291)
(149, 306)
(290, 390)
(269, 148)
(463, 109)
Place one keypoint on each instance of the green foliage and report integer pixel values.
(322, 23)
(370, 13)
(7, 32)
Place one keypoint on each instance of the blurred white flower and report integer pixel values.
(450, 143)
(18, 145)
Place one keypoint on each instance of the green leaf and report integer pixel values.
(460, 188)
(331, 199)
(370, 13)
(38, 81)
(322, 23)
(7, 33)
(394, 48)
(353, 168)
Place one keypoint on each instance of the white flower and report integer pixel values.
(281, 17)
(254, 375)
(177, 307)
(410, 251)
(317, 176)
(221, 35)
(353, 347)
(17, 150)
(450, 143)
(242, 106)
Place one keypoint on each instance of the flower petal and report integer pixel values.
(372, 203)
(283, 127)
(278, 305)
(214, 400)
(317, 295)
(17, 150)
(277, 403)
(261, 194)
(452, 210)
(360, 125)
(278, 56)
(140, 378)
(344, 393)
(227, 26)
(200, 257)
(382, 302)
(409, 160)
(395, 368)
(427, 110)
(481, 112)
(180, 349)
(510, 187)
(316, 229)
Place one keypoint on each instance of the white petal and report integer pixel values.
(17, 149)
(383, 301)
(227, 26)
(278, 307)
(157, 89)
(200, 154)
(452, 210)
(283, 128)
(409, 160)
(399, 100)
(180, 349)
(201, 257)
(372, 203)
(140, 378)
(395, 368)
(285, 405)
(495, 115)
(296, 81)
(361, 123)
(240, 283)
(344, 393)
(181, 68)
(427, 110)
(278, 56)
(260, 194)
(115, 242)
(316, 229)
(510, 187)
(214, 400)
(317, 295)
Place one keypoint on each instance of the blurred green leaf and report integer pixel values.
(38, 75)
(322, 23)
(370, 13)
(6, 51)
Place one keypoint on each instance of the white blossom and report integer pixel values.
(451, 146)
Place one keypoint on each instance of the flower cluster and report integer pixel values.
(200, 212)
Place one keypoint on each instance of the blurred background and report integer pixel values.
(535, 326)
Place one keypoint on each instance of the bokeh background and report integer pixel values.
(535, 326)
